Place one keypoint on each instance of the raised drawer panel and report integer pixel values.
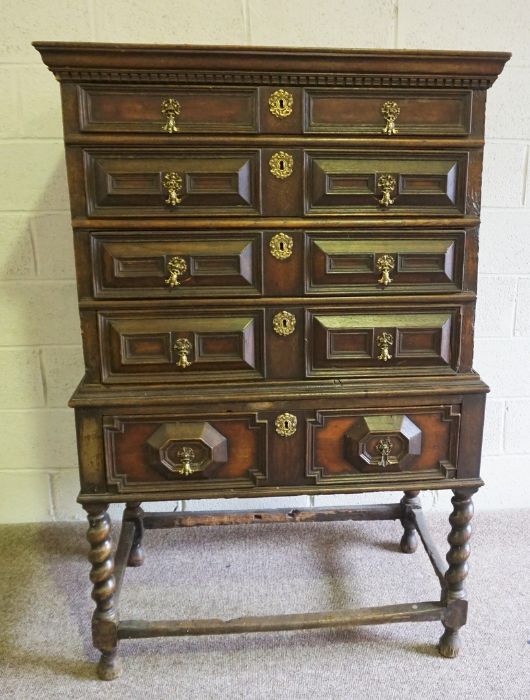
(421, 183)
(151, 453)
(176, 265)
(343, 343)
(361, 112)
(212, 109)
(132, 183)
(384, 445)
(184, 346)
(379, 263)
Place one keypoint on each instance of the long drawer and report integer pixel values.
(282, 181)
(248, 449)
(216, 109)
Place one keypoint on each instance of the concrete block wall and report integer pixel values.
(40, 357)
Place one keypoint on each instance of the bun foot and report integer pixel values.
(137, 556)
(109, 667)
(409, 542)
(449, 644)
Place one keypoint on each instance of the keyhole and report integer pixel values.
(281, 246)
(281, 103)
(282, 165)
(286, 425)
(284, 322)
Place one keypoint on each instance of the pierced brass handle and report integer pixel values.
(185, 465)
(173, 184)
(183, 348)
(384, 447)
(175, 267)
(384, 343)
(170, 110)
(387, 184)
(284, 323)
(281, 246)
(281, 104)
(385, 264)
(281, 165)
(285, 424)
(390, 111)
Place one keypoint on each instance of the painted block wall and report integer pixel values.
(40, 356)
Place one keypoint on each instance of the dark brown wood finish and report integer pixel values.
(276, 255)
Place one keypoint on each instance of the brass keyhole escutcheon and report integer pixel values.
(281, 104)
(387, 184)
(384, 447)
(183, 348)
(285, 424)
(176, 266)
(385, 264)
(281, 165)
(384, 343)
(173, 184)
(171, 110)
(390, 111)
(284, 323)
(281, 246)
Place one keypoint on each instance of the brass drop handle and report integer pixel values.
(175, 267)
(173, 184)
(185, 465)
(385, 264)
(384, 343)
(170, 110)
(183, 348)
(387, 184)
(390, 111)
(384, 447)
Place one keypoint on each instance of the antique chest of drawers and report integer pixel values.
(276, 255)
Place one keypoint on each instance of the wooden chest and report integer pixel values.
(276, 256)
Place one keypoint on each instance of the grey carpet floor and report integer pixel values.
(46, 652)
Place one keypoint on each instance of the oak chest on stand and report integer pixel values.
(276, 256)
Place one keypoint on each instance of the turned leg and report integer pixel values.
(133, 512)
(105, 618)
(409, 541)
(453, 593)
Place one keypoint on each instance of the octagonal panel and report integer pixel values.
(183, 449)
(382, 443)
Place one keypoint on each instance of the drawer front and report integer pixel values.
(176, 265)
(343, 343)
(389, 184)
(388, 113)
(384, 262)
(163, 110)
(157, 453)
(172, 183)
(384, 445)
(178, 347)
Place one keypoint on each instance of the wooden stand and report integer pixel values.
(107, 573)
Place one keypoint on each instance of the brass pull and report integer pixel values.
(170, 110)
(390, 111)
(384, 343)
(176, 266)
(173, 184)
(385, 264)
(281, 246)
(384, 447)
(284, 323)
(387, 184)
(183, 348)
(285, 424)
(185, 465)
(281, 165)
(281, 104)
